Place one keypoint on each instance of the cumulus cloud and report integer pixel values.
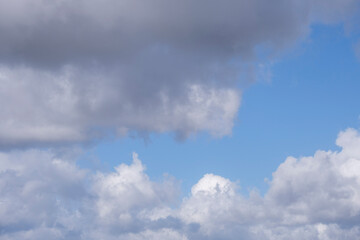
(39, 195)
(44, 195)
(72, 71)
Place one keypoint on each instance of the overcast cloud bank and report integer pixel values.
(73, 71)
(46, 197)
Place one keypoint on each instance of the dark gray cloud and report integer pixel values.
(72, 71)
(44, 34)
(46, 196)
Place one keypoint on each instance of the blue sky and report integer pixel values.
(312, 95)
(179, 120)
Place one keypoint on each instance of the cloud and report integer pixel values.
(313, 197)
(357, 49)
(39, 195)
(78, 71)
(48, 108)
(44, 195)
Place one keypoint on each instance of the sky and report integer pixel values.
(167, 119)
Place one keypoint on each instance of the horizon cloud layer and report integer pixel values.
(44, 196)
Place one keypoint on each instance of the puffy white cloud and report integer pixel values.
(314, 197)
(38, 195)
(73, 71)
(127, 198)
(46, 196)
(322, 188)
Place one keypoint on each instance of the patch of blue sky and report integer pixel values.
(313, 94)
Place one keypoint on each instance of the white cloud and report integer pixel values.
(127, 193)
(38, 192)
(46, 196)
(211, 184)
(322, 188)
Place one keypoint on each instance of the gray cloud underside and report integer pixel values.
(72, 71)
(43, 196)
